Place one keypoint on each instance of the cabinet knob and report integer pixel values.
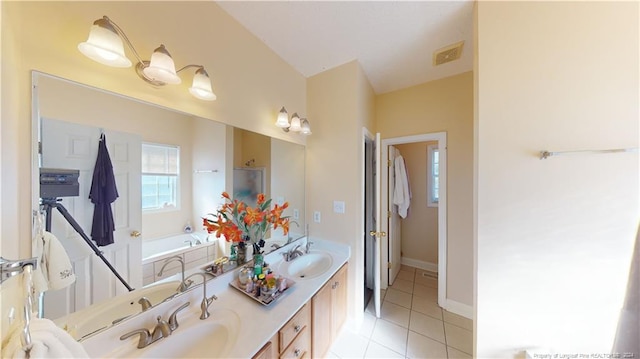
(296, 329)
(297, 352)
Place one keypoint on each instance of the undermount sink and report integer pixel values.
(213, 337)
(307, 266)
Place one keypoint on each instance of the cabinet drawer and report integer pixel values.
(300, 347)
(294, 327)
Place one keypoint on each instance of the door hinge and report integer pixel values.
(389, 265)
(388, 163)
(39, 147)
(388, 214)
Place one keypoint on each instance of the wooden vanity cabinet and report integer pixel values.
(311, 331)
(328, 312)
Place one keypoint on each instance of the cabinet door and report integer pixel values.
(321, 321)
(266, 352)
(338, 300)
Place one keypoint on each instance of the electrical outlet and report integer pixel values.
(296, 214)
(338, 206)
(316, 216)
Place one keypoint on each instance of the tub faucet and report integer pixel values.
(206, 302)
(183, 285)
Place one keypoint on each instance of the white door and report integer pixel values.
(394, 224)
(73, 146)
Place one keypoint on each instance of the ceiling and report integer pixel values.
(394, 41)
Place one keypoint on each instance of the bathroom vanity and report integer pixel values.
(301, 323)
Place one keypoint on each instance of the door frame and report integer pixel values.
(441, 138)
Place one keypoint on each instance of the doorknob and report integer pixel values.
(135, 234)
(378, 234)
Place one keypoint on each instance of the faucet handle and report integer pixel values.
(145, 337)
(173, 318)
(161, 330)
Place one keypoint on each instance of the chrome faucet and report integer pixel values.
(206, 302)
(162, 329)
(173, 318)
(145, 303)
(289, 238)
(183, 285)
(307, 246)
(188, 241)
(293, 253)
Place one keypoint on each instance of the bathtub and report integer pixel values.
(161, 248)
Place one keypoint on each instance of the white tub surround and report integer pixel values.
(258, 323)
(155, 252)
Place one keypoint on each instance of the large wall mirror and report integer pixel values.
(170, 169)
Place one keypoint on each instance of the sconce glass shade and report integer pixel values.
(305, 127)
(295, 123)
(104, 45)
(161, 67)
(201, 87)
(283, 119)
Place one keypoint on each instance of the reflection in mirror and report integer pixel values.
(70, 118)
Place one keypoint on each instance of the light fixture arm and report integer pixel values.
(124, 37)
(189, 66)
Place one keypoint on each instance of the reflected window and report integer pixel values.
(433, 184)
(160, 176)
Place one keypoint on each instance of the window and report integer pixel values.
(433, 183)
(160, 176)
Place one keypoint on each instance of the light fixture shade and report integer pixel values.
(161, 67)
(295, 123)
(201, 87)
(283, 119)
(305, 127)
(104, 45)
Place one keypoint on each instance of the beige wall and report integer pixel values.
(444, 105)
(420, 227)
(340, 102)
(555, 236)
(251, 82)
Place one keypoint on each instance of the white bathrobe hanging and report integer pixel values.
(401, 192)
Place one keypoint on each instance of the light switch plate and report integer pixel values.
(316, 216)
(296, 214)
(338, 206)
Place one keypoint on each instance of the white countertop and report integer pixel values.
(258, 323)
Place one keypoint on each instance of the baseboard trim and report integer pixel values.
(459, 308)
(431, 267)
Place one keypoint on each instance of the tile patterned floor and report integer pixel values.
(412, 325)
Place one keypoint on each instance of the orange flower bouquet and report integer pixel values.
(246, 225)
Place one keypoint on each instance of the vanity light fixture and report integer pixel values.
(296, 125)
(105, 45)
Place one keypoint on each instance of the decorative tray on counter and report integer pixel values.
(266, 298)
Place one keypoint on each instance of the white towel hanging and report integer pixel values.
(402, 192)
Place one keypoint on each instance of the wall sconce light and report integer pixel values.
(105, 45)
(297, 124)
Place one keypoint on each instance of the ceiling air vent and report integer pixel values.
(447, 54)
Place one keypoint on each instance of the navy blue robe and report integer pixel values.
(103, 192)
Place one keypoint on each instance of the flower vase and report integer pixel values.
(241, 255)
